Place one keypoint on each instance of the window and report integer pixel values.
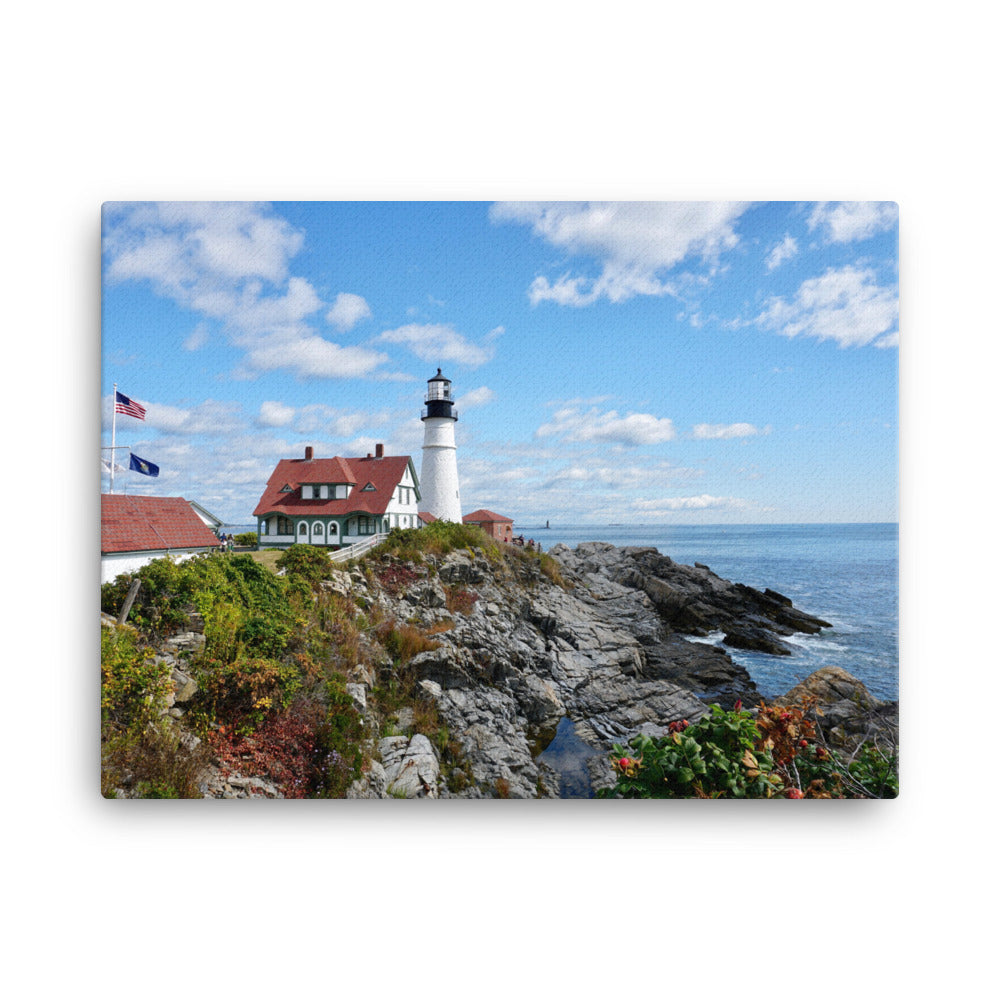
(303, 531)
(318, 529)
(307, 491)
(368, 488)
(283, 526)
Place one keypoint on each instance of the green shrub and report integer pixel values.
(243, 693)
(339, 757)
(438, 538)
(163, 602)
(246, 538)
(306, 561)
(735, 754)
(134, 686)
(715, 757)
(151, 763)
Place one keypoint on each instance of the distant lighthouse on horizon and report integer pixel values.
(439, 468)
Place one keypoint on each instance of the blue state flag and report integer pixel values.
(137, 464)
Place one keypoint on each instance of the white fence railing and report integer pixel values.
(357, 549)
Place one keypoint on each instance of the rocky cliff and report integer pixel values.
(536, 668)
(609, 653)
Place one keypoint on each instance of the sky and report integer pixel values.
(629, 362)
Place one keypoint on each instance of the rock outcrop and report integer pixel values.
(845, 711)
(610, 654)
(534, 678)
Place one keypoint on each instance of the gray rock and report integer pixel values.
(371, 785)
(411, 767)
(358, 696)
(185, 686)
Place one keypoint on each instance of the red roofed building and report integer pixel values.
(337, 501)
(136, 530)
(495, 525)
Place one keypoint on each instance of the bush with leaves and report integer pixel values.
(715, 757)
(151, 763)
(242, 693)
(308, 562)
(775, 752)
(134, 684)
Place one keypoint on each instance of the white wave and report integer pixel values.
(712, 639)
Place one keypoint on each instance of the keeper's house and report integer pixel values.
(337, 501)
(136, 530)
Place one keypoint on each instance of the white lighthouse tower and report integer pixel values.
(439, 469)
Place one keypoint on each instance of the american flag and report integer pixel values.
(125, 405)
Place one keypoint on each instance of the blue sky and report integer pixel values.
(678, 362)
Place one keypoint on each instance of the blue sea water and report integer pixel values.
(846, 574)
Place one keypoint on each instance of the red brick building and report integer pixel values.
(495, 525)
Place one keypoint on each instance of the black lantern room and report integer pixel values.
(439, 402)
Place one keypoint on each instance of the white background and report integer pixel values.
(115, 101)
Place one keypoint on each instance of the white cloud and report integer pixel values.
(703, 502)
(476, 397)
(440, 343)
(634, 242)
(182, 246)
(211, 417)
(785, 250)
(846, 305)
(575, 425)
(197, 338)
(847, 221)
(230, 262)
(624, 477)
(310, 356)
(707, 432)
(275, 414)
(336, 423)
(348, 310)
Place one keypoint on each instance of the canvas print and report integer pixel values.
(467, 500)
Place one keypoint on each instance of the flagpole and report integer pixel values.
(114, 417)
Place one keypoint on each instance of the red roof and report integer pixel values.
(427, 517)
(381, 475)
(145, 524)
(483, 516)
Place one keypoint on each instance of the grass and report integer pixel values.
(267, 557)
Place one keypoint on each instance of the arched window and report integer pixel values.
(317, 530)
(303, 530)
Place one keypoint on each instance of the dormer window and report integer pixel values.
(307, 491)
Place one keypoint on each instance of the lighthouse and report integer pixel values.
(439, 468)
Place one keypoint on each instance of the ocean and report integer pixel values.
(846, 574)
